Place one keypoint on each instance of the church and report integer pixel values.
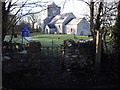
(65, 23)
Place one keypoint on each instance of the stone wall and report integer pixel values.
(34, 49)
(78, 55)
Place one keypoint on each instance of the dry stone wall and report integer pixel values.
(34, 49)
(77, 55)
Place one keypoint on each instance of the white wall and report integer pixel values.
(59, 28)
(47, 29)
(84, 28)
(71, 29)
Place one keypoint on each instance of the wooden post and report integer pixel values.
(98, 51)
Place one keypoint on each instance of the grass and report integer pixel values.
(55, 39)
(17, 40)
(47, 39)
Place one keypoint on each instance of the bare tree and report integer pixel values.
(106, 16)
(35, 19)
(92, 18)
(17, 7)
(99, 13)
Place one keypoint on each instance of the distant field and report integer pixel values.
(57, 39)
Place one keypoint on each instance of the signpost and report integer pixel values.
(25, 32)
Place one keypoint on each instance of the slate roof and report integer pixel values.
(55, 19)
(51, 26)
(74, 21)
(48, 19)
(60, 18)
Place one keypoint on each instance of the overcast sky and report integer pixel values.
(79, 8)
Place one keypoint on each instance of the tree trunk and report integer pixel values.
(104, 41)
(98, 51)
(4, 21)
(91, 20)
(98, 40)
(33, 26)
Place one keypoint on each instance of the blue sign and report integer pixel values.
(25, 31)
(25, 34)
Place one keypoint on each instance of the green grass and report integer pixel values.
(17, 40)
(46, 39)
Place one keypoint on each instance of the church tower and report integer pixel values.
(53, 10)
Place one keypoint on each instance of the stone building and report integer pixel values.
(51, 12)
(78, 26)
(65, 23)
(58, 23)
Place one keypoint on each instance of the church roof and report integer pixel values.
(75, 21)
(51, 26)
(61, 18)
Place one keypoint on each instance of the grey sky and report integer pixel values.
(79, 8)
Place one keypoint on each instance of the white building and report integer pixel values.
(78, 26)
(58, 23)
(65, 23)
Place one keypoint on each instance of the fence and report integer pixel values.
(48, 59)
